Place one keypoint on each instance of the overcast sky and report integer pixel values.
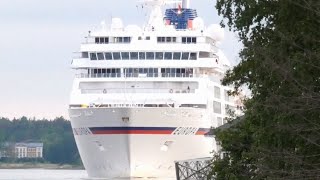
(37, 38)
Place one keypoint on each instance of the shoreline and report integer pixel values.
(40, 166)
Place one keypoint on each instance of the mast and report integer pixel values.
(185, 4)
(156, 16)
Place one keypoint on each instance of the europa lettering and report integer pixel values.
(185, 131)
(81, 131)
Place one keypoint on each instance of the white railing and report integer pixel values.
(137, 75)
(91, 41)
(137, 90)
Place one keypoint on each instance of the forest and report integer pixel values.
(278, 137)
(59, 146)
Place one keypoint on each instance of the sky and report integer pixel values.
(37, 41)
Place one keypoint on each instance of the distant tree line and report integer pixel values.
(56, 135)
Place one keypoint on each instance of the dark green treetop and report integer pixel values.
(279, 137)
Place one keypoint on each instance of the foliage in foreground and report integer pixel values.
(59, 145)
(279, 137)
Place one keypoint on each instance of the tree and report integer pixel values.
(279, 137)
(56, 135)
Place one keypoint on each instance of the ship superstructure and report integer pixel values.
(144, 97)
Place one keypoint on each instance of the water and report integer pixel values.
(45, 174)
(42, 174)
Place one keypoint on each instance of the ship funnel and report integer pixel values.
(185, 4)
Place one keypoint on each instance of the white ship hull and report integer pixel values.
(145, 97)
(139, 142)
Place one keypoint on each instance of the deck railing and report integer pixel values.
(137, 75)
(137, 90)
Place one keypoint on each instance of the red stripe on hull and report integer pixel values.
(131, 132)
(201, 133)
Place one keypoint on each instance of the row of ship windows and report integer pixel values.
(141, 70)
(106, 40)
(166, 39)
(140, 55)
(174, 39)
(149, 72)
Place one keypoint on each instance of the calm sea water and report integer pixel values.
(42, 174)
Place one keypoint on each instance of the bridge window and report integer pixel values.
(125, 55)
(203, 54)
(93, 56)
(84, 55)
(193, 56)
(166, 39)
(185, 56)
(189, 40)
(126, 39)
(161, 39)
(102, 40)
(108, 55)
(153, 72)
(176, 72)
(118, 39)
(173, 72)
(159, 55)
(122, 39)
(176, 55)
(116, 55)
(168, 55)
(100, 56)
(141, 72)
(133, 55)
(110, 72)
(150, 55)
(142, 55)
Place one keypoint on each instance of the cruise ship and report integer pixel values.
(145, 97)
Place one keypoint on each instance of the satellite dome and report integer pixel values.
(198, 23)
(116, 24)
(216, 32)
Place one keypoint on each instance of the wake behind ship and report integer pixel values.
(143, 98)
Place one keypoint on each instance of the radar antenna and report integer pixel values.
(156, 16)
(159, 2)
